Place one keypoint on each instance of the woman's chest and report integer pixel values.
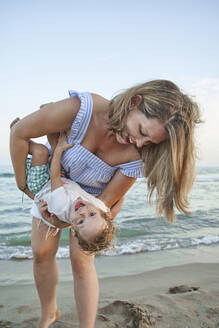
(100, 142)
(107, 149)
(86, 168)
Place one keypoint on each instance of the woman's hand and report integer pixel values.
(50, 217)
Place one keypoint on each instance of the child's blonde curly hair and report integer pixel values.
(103, 240)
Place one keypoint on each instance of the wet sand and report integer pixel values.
(141, 300)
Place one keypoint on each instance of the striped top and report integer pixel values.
(82, 166)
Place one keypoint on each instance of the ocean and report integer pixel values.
(139, 230)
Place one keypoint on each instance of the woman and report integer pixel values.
(153, 122)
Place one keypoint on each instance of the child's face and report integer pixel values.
(87, 219)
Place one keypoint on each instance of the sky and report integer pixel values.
(49, 47)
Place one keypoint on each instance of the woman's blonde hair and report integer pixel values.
(169, 166)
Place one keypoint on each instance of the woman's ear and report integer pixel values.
(135, 101)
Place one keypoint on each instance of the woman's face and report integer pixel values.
(141, 130)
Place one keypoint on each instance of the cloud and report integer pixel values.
(206, 93)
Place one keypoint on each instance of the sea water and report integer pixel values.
(140, 231)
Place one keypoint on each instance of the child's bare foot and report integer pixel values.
(14, 122)
(47, 323)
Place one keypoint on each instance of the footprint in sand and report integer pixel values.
(182, 289)
(5, 324)
(125, 314)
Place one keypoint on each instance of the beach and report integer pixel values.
(141, 300)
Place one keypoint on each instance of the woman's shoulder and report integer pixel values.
(132, 165)
(100, 103)
(123, 154)
(132, 154)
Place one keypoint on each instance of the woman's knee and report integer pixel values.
(81, 270)
(43, 254)
(44, 245)
(82, 264)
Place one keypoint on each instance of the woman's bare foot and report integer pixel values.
(14, 122)
(47, 323)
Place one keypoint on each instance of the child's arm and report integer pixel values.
(56, 181)
(55, 167)
(53, 140)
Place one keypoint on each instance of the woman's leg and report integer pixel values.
(86, 285)
(45, 271)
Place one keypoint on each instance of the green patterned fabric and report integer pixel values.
(36, 176)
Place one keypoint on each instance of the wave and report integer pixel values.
(208, 170)
(128, 248)
(6, 175)
(14, 232)
(23, 238)
(25, 253)
(141, 246)
(210, 179)
(201, 171)
(15, 210)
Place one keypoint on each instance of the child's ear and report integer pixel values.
(110, 216)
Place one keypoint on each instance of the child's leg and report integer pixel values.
(37, 167)
(39, 152)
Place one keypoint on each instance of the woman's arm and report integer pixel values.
(116, 207)
(51, 118)
(113, 194)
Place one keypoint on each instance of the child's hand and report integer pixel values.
(43, 208)
(62, 144)
(50, 217)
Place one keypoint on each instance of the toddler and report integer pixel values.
(62, 201)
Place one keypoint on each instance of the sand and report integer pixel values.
(141, 300)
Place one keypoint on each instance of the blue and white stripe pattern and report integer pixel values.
(82, 166)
